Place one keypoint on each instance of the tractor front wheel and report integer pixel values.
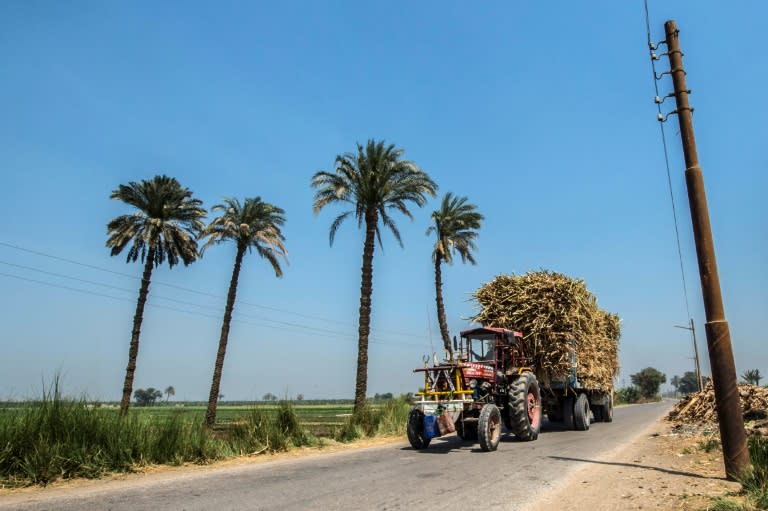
(415, 430)
(525, 407)
(489, 427)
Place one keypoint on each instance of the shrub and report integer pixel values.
(755, 483)
(628, 395)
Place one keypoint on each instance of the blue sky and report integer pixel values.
(541, 113)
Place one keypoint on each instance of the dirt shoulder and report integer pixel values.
(662, 469)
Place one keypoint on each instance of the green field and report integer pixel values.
(320, 420)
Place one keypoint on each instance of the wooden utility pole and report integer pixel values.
(732, 433)
(692, 329)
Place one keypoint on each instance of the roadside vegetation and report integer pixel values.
(754, 484)
(62, 438)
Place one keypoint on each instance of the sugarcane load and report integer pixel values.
(544, 347)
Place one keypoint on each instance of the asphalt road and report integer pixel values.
(449, 475)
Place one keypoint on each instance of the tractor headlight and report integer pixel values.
(472, 383)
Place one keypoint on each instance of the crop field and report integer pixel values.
(318, 419)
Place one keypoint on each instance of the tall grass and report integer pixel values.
(386, 420)
(755, 482)
(58, 437)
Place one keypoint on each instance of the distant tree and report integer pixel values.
(169, 391)
(752, 376)
(252, 225)
(455, 226)
(299, 397)
(164, 227)
(688, 383)
(373, 182)
(382, 397)
(648, 381)
(221, 396)
(269, 397)
(147, 397)
(675, 381)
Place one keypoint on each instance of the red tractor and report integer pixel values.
(486, 381)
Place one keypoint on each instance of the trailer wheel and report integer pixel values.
(567, 408)
(466, 430)
(489, 427)
(415, 430)
(607, 411)
(597, 412)
(581, 413)
(525, 407)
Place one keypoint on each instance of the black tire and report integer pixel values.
(467, 431)
(597, 412)
(525, 407)
(415, 430)
(581, 413)
(608, 410)
(567, 411)
(489, 427)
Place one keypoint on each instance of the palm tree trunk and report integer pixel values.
(133, 350)
(364, 329)
(213, 397)
(440, 307)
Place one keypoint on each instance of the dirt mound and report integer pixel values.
(557, 315)
(699, 407)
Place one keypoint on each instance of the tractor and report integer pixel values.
(486, 381)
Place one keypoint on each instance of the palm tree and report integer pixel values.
(372, 181)
(254, 224)
(456, 224)
(163, 228)
(169, 391)
(752, 376)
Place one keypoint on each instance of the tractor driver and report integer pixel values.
(490, 353)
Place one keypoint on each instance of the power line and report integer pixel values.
(666, 158)
(195, 291)
(283, 324)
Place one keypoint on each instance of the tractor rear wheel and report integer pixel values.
(525, 407)
(415, 430)
(581, 413)
(489, 427)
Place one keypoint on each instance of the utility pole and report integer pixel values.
(692, 329)
(729, 415)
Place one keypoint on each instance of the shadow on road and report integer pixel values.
(635, 465)
(442, 445)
